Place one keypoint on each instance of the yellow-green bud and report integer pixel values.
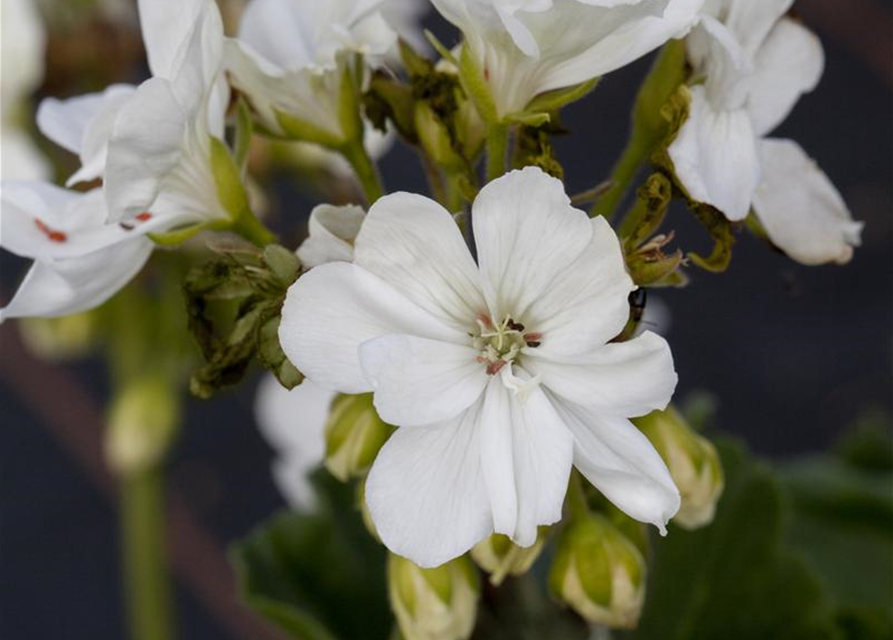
(61, 338)
(599, 572)
(693, 463)
(434, 604)
(142, 423)
(501, 557)
(435, 138)
(354, 435)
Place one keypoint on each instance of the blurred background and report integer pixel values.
(788, 357)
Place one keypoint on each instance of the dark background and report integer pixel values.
(792, 354)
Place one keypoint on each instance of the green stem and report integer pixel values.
(435, 178)
(253, 230)
(367, 173)
(497, 149)
(637, 150)
(146, 573)
(576, 497)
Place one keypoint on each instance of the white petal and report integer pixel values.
(526, 458)
(167, 25)
(293, 422)
(801, 210)
(715, 157)
(588, 303)
(83, 125)
(789, 64)
(334, 308)
(415, 245)
(527, 234)
(621, 463)
(752, 20)
(626, 379)
(425, 492)
(71, 285)
(332, 231)
(418, 381)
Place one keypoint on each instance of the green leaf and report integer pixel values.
(734, 579)
(317, 576)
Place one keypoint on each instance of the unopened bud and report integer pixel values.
(434, 604)
(501, 557)
(693, 463)
(435, 138)
(62, 338)
(141, 425)
(599, 572)
(354, 435)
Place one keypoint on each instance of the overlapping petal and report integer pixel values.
(332, 232)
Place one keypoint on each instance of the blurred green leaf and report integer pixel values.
(317, 576)
(734, 580)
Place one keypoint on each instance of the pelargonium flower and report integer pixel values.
(79, 260)
(527, 47)
(756, 63)
(289, 59)
(501, 375)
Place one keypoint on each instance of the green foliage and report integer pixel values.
(317, 576)
(233, 304)
(735, 578)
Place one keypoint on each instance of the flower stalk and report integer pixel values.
(497, 149)
(364, 167)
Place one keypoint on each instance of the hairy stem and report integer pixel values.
(637, 150)
(497, 149)
(365, 169)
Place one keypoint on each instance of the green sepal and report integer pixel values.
(228, 181)
(472, 79)
(550, 101)
(720, 229)
(244, 131)
(181, 235)
(529, 118)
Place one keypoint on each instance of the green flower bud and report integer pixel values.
(354, 435)
(62, 338)
(599, 572)
(435, 138)
(693, 462)
(434, 604)
(501, 557)
(142, 423)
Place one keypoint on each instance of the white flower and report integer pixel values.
(527, 47)
(160, 152)
(22, 45)
(756, 63)
(500, 375)
(293, 422)
(289, 59)
(80, 261)
(331, 233)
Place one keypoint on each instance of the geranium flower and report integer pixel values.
(500, 375)
(527, 47)
(755, 64)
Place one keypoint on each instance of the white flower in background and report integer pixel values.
(331, 234)
(79, 261)
(500, 376)
(293, 423)
(527, 47)
(160, 153)
(289, 59)
(756, 63)
(22, 46)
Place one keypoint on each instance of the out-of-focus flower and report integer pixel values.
(433, 604)
(490, 370)
(525, 48)
(756, 63)
(332, 232)
(293, 423)
(80, 261)
(22, 47)
(501, 557)
(291, 61)
(599, 572)
(693, 463)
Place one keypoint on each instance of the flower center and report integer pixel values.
(501, 344)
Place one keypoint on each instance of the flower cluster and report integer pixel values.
(474, 356)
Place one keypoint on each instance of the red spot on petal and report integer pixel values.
(485, 320)
(145, 216)
(52, 234)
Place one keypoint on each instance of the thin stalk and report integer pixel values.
(497, 150)
(365, 169)
(147, 579)
(637, 150)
